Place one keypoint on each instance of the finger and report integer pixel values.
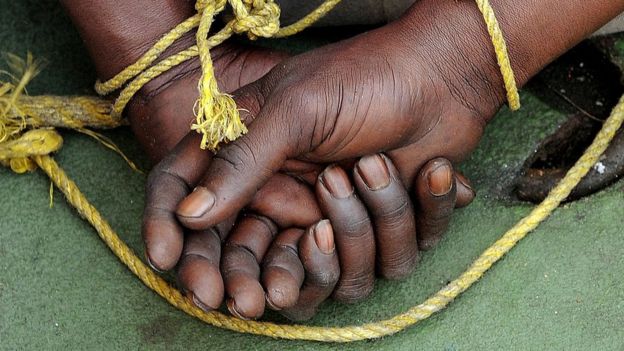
(282, 271)
(465, 191)
(353, 233)
(287, 201)
(435, 194)
(168, 183)
(198, 270)
(388, 202)
(322, 271)
(240, 266)
(238, 170)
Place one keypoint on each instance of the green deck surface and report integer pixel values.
(61, 288)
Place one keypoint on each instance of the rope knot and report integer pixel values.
(257, 18)
(17, 153)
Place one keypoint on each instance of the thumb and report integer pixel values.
(238, 169)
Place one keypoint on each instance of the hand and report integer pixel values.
(374, 229)
(371, 93)
(420, 87)
(197, 253)
(161, 113)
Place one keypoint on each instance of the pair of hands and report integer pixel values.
(416, 89)
(358, 97)
(373, 224)
(266, 252)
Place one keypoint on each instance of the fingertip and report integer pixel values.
(373, 171)
(151, 264)
(163, 245)
(198, 302)
(282, 289)
(436, 193)
(465, 192)
(324, 236)
(336, 182)
(194, 210)
(197, 203)
(321, 266)
(247, 298)
(202, 281)
(427, 244)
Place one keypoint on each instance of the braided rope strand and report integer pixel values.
(308, 20)
(105, 88)
(502, 56)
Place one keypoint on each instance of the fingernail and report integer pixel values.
(440, 180)
(324, 236)
(374, 172)
(149, 263)
(271, 304)
(337, 182)
(198, 303)
(466, 185)
(231, 306)
(197, 203)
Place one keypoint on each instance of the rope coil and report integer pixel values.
(24, 151)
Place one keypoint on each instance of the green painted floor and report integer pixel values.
(60, 287)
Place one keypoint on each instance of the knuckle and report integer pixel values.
(238, 257)
(395, 213)
(354, 290)
(438, 216)
(250, 100)
(161, 177)
(354, 227)
(323, 279)
(398, 266)
(236, 155)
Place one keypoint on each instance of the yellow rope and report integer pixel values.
(502, 56)
(24, 151)
(217, 117)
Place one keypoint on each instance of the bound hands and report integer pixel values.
(416, 89)
(337, 103)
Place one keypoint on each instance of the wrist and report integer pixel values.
(452, 34)
(117, 33)
(450, 42)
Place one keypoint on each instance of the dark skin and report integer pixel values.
(160, 116)
(420, 87)
(413, 89)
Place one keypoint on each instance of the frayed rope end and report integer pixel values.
(218, 120)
